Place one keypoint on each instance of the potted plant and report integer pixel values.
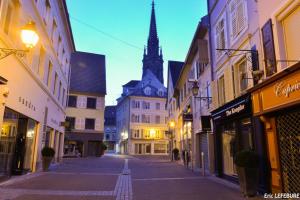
(47, 156)
(103, 148)
(175, 153)
(247, 163)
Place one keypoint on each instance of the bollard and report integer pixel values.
(203, 165)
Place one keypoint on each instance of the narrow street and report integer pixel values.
(117, 177)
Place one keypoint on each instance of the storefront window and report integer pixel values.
(160, 148)
(7, 140)
(229, 149)
(29, 144)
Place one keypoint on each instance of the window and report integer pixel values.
(71, 121)
(58, 45)
(135, 104)
(238, 17)
(59, 91)
(135, 118)
(41, 62)
(63, 97)
(157, 119)
(48, 78)
(54, 28)
(135, 133)
(107, 137)
(221, 90)
(48, 11)
(55, 83)
(220, 36)
(72, 101)
(89, 124)
(146, 105)
(160, 93)
(160, 148)
(242, 76)
(157, 105)
(8, 19)
(147, 91)
(146, 119)
(91, 103)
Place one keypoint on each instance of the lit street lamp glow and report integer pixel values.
(29, 36)
(172, 124)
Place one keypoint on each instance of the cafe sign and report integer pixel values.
(284, 89)
(279, 94)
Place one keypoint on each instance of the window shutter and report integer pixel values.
(78, 103)
(77, 123)
(203, 51)
(82, 124)
(214, 89)
(98, 124)
(228, 79)
(83, 101)
(269, 49)
(234, 23)
(240, 13)
(99, 103)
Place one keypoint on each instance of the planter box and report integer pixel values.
(46, 163)
(248, 179)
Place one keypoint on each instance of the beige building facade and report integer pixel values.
(34, 97)
(86, 104)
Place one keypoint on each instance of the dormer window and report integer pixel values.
(160, 93)
(147, 91)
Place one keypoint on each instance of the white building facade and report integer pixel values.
(33, 100)
(86, 103)
(142, 118)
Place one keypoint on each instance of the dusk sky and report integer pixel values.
(119, 30)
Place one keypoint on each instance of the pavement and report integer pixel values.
(118, 177)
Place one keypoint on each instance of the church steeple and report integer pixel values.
(153, 39)
(153, 57)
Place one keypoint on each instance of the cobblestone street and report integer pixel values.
(117, 177)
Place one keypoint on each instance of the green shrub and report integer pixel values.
(247, 158)
(103, 146)
(48, 152)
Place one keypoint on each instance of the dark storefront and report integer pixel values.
(17, 143)
(82, 144)
(235, 129)
(276, 102)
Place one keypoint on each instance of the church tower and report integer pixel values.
(153, 58)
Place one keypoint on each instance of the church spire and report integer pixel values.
(153, 38)
(153, 59)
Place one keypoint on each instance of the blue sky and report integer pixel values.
(99, 25)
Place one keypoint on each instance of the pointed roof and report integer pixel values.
(175, 68)
(153, 29)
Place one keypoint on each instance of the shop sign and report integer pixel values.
(284, 89)
(239, 106)
(235, 110)
(279, 94)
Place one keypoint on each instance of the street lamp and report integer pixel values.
(172, 125)
(195, 91)
(29, 38)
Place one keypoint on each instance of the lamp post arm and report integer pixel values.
(4, 52)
